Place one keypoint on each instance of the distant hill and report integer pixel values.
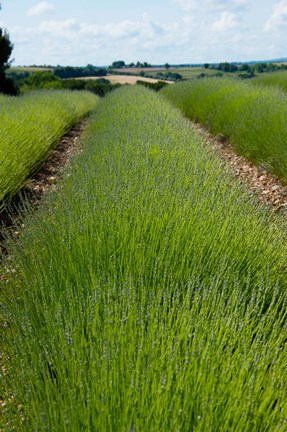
(279, 60)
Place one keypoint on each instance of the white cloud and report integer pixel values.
(40, 9)
(211, 5)
(127, 29)
(196, 37)
(74, 42)
(278, 19)
(227, 21)
(188, 5)
(66, 28)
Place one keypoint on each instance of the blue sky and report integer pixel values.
(69, 32)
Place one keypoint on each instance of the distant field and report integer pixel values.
(192, 72)
(30, 69)
(126, 79)
(186, 72)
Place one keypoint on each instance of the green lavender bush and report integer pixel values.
(30, 127)
(274, 79)
(149, 293)
(252, 118)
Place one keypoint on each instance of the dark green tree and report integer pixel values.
(119, 64)
(6, 48)
(227, 67)
(245, 67)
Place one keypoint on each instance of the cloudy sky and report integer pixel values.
(70, 32)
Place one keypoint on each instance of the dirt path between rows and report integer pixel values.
(267, 188)
(46, 177)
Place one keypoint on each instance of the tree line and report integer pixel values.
(65, 72)
(48, 80)
(247, 70)
(120, 64)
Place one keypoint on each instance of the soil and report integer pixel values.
(46, 178)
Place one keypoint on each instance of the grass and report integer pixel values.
(149, 294)
(252, 118)
(30, 127)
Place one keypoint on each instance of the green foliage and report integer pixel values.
(246, 75)
(154, 86)
(142, 65)
(227, 67)
(7, 86)
(119, 64)
(47, 80)
(201, 75)
(65, 72)
(252, 118)
(100, 86)
(245, 71)
(245, 68)
(274, 79)
(30, 127)
(149, 293)
(267, 67)
(40, 80)
(16, 75)
(249, 69)
(174, 76)
(6, 47)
